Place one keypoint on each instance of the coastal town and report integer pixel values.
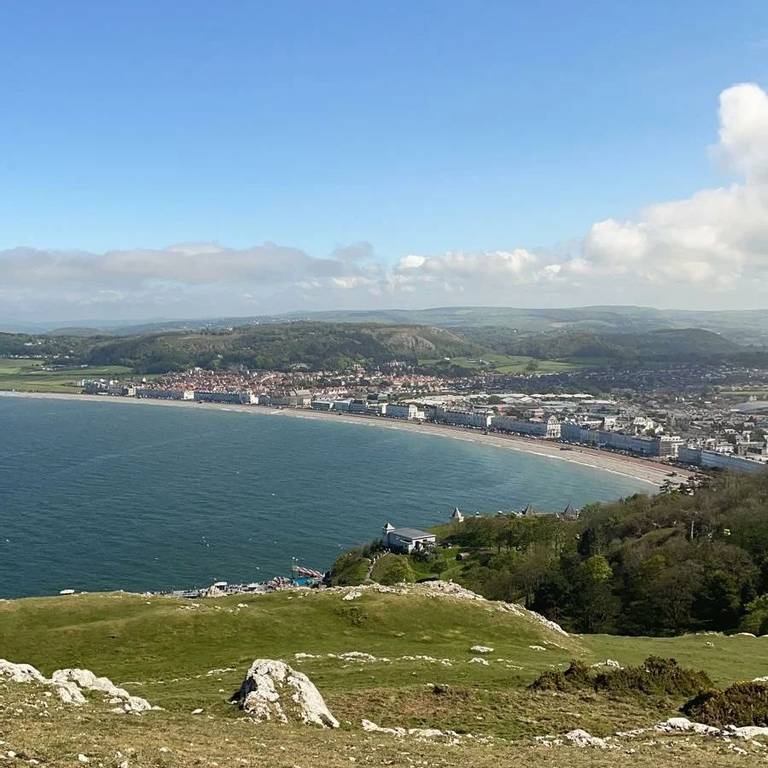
(704, 427)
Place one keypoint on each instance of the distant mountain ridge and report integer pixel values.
(318, 345)
(741, 326)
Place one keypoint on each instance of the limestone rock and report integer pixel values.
(69, 692)
(747, 732)
(70, 683)
(272, 690)
(608, 663)
(21, 673)
(581, 738)
(85, 679)
(481, 649)
(687, 726)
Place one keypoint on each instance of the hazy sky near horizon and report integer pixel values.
(161, 158)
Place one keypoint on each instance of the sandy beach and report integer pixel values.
(648, 471)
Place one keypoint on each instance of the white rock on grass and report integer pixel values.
(21, 673)
(683, 724)
(85, 679)
(371, 727)
(70, 683)
(584, 739)
(481, 649)
(69, 692)
(478, 660)
(747, 732)
(272, 690)
(417, 733)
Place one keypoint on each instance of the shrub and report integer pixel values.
(578, 676)
(349, 569)
(741, 704)
(392, 569)
(654, 677)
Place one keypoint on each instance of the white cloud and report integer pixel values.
(710, 249)
(744, 129)
(714, 243)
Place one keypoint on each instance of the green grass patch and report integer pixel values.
(510, 364)
(184, 654)
(29, 375)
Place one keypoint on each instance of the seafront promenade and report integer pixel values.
(646, 470)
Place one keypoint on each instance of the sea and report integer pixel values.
(104, 496)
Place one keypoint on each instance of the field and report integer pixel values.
(28, 375)
(185, 655)
(511, 364)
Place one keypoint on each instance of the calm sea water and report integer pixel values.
(97, 496)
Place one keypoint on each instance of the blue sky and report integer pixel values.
(419, 127)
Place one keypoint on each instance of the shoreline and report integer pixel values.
(643, 470)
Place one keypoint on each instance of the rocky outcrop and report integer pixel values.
(272, 690)
(20, 673)
(84, 679)
(450, 590)
(69, 685)
(424, 734)
(582, 738)
(684, 725)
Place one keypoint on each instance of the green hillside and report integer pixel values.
(184, 656)
(338, 345)
(660, 346)
(659, 565)
(741, 326)
(314, 345)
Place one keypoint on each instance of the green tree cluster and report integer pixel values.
(660, 565)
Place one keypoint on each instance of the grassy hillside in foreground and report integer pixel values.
(56, 736)
(183, 655)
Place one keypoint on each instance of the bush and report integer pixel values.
(393, 569)
(349, 570)
(741, 704)
(578, 676)
(654, 677)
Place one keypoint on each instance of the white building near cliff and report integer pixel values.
(407, 540)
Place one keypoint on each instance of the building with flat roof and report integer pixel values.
(407, 540)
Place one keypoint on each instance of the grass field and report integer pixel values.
(512, 364)
(27, 375)
(183, 655)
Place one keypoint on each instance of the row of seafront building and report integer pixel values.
(594, 433)
(602, 431)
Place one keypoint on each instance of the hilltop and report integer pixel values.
(317, 345)
(400, 657)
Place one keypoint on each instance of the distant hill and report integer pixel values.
(337, 345)
(741, 326)
(690, 344)
(280, 346)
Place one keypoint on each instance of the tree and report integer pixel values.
(595, 605)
